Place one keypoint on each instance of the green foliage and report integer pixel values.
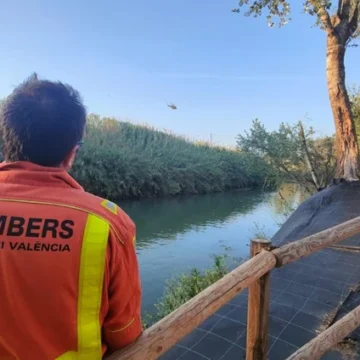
(281, 9)
(180, 290)
(284, 149)
(327, 14)
(120, 160)
(259, 231)
(272, 8)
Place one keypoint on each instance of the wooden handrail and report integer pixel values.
(168, 331)
(329, 338)
(298, 249)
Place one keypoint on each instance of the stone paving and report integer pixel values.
(302, 296)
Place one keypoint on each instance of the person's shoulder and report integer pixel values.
(108, 210)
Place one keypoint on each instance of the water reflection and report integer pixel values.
(287, 199)
(165, 219)
(177, 234)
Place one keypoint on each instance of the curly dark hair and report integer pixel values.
(41, 122)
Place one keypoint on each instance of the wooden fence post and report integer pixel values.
(258, 309)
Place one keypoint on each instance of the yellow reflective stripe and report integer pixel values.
(92, 265)
(91, 285)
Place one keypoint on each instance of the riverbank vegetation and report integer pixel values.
(120, 160)
(295, 153)
(181, 289)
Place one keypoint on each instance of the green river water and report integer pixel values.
(177, 234)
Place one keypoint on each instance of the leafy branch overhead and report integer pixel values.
(342, 20)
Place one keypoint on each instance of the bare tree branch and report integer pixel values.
(339, 7)
(307, 156)
(348, 14)
(354, 20)
(344, 10)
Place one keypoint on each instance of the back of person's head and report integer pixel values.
(41, 122)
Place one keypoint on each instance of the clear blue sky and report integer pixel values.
(129, 58)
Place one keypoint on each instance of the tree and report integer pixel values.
(294, 152)
(341, 24)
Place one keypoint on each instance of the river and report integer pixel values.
(177, 234)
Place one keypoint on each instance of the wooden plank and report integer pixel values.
(258, 309)
(329, 338)
(298, 249)
(167, 332)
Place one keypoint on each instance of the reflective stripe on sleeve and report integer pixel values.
(92, 266)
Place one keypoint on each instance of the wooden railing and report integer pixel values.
(255, 274)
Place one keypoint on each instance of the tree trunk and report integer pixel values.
(308, 158)
(346, 142)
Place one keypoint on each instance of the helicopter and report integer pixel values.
(172, 106)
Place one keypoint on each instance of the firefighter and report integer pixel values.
(69, 278)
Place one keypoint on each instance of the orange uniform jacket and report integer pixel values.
(69, 280)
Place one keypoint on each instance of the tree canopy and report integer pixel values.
(294, 151)
(341, 24)
(345, 17)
